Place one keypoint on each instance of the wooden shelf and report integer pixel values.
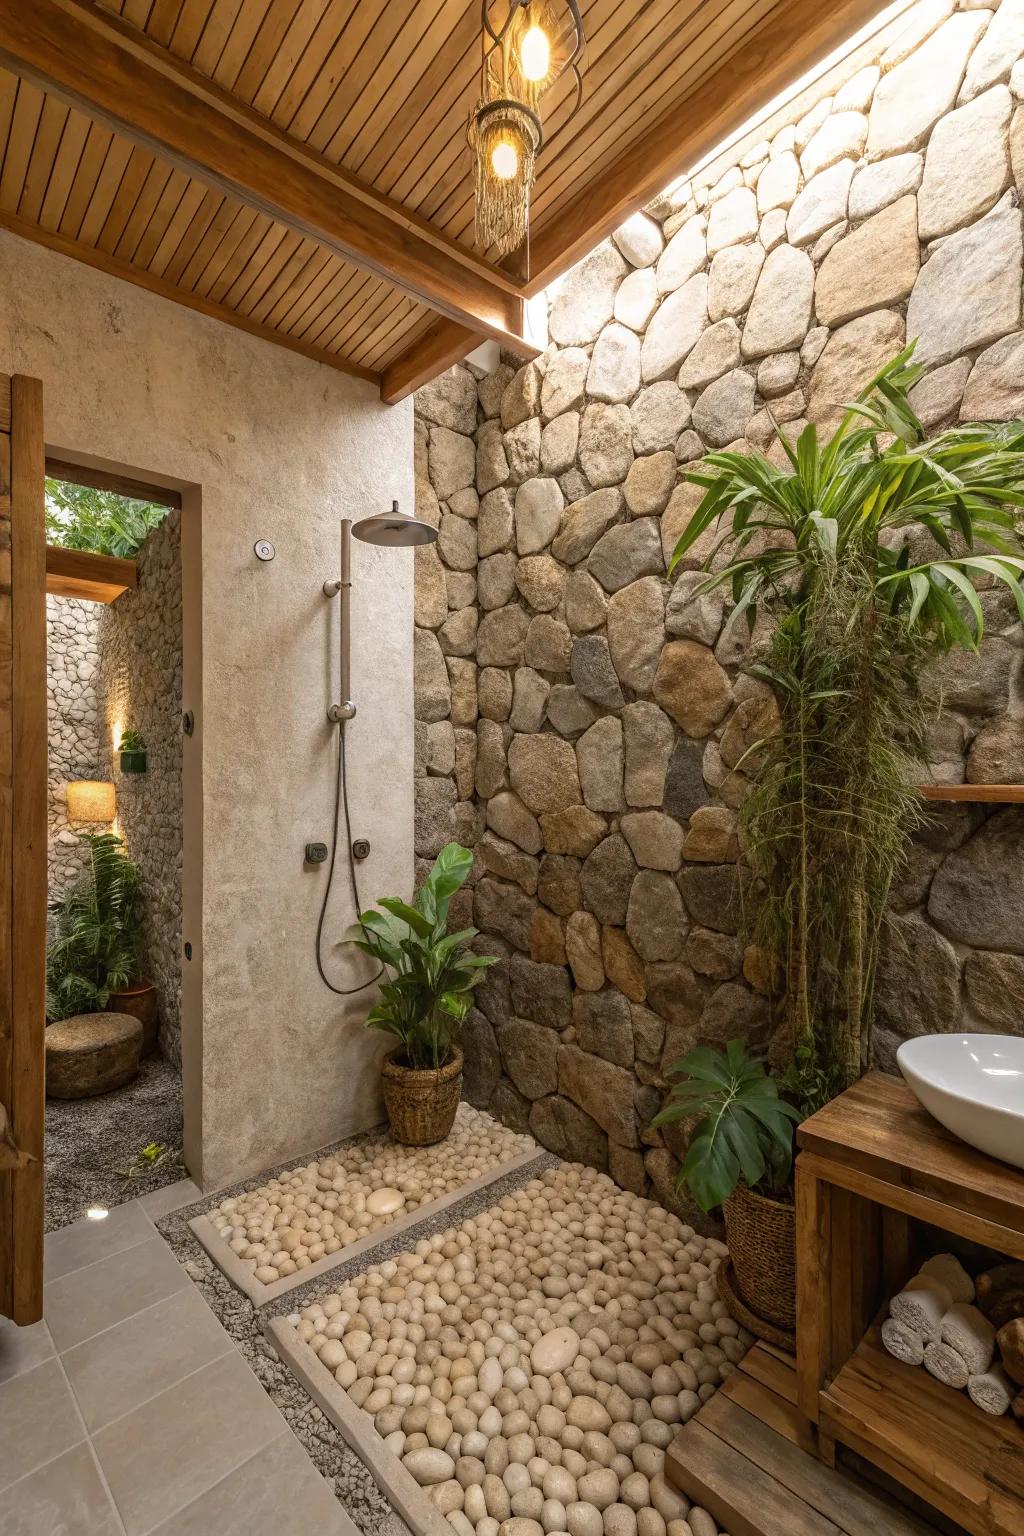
(878, 1142)
(92, 578)
(931, 1438)
(981, 794)
(874, 1165)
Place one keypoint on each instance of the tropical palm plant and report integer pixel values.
(429, 989)
(102, 522)
(95, 941)
(822, 546)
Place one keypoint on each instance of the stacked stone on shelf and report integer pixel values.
(612, 724)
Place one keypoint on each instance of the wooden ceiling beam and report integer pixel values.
(90, 578)
(434, 352)
(93, 60)
(794, 38)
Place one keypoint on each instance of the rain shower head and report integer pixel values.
(394, 529)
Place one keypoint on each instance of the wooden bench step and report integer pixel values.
(756, 1481)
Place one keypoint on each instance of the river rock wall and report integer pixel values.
(72, 728)
(581, 721)
(139, 686)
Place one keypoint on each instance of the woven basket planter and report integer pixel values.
(761, 1234)
(421, 1105)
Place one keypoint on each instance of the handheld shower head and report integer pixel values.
(394, 528)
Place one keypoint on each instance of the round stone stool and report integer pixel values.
(91, 1053)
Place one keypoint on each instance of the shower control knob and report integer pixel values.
(264, 550)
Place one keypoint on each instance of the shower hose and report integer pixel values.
(341, 804)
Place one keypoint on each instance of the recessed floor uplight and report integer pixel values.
(97, 1213)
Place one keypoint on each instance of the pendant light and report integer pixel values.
(537, 43)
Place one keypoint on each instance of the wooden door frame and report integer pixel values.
(185, 496)
(23, 790)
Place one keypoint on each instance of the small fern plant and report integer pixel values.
(94, 948)
(744, 1128)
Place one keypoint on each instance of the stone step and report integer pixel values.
(91, 1053)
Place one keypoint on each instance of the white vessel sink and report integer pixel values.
(974, 1086)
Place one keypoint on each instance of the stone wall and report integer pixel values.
(73, 728)
(581, 718)
(139, 685)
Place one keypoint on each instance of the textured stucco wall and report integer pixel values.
(280, 448)
(139, 686)
(72, 728)
(582, 722)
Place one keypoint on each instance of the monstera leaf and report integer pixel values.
(744, 1131)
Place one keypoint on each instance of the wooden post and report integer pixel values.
(813, 1314)
(22, 845)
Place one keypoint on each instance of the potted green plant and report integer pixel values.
(427, 993)
(740, 1158)
(822, 546)
(133, 752)
(92, 960)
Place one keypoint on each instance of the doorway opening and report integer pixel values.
(115, 837)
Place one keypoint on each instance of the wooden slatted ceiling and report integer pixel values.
(383, 90)
(350, 78)
(77, 180)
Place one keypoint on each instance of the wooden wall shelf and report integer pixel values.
(981, 794)
(92, 578)
(873, 1165)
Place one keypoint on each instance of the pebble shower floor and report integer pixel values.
(320, 1209)
(530, 1367)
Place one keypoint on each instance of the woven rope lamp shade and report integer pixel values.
(91, 800)
(536, 43)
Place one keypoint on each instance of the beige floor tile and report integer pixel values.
(88, 1300)
(21, 1349)
(278, 1489)
(178, 1445)
(117, 1370)
(64, 1498)
(38, 1420)
(85, 1242)
(171, 1198)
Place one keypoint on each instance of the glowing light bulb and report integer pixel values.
(97, 1213)
(535, 54)
(504, 160)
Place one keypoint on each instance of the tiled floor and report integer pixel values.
(128, 1410)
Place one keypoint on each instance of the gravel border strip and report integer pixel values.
(259, 1294)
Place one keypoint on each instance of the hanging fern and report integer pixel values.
(95, 933)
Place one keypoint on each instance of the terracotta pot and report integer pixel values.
(142, 1003)
(761, 1234)
(421, 1104)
